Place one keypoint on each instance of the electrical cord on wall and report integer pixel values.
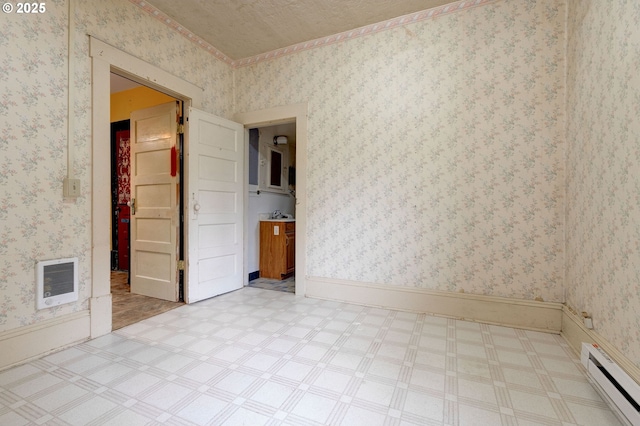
(71, 187)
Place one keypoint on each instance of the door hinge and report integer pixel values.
(180, 129)
(180, 265)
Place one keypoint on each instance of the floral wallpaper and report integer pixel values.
(36, 223)
(123, 167)
(603, 160)
(436, 150)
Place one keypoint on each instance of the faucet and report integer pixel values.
(277, 215)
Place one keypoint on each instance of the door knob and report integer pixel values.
(132, 205)
(195, 205)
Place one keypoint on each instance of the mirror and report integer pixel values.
(275, 169)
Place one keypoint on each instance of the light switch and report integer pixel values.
(276, 230)
(71, 188)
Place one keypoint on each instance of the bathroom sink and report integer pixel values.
(284, 219)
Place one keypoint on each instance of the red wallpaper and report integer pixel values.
(123, 166)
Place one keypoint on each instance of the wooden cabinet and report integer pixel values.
(277, 249)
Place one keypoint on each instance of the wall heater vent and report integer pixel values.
(57, 282)
(612, 381)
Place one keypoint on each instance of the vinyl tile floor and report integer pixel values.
(259, 357)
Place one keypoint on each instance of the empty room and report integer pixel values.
(461, 191)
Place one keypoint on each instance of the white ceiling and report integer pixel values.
(119, 84)
(245, 28)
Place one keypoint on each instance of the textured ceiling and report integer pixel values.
(245, 28)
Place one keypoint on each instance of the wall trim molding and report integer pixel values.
(504, 311)
(400, 21)
(175, 26)
(101, 309)
(104, 60)
(574, 332)
(375, 28)
(38, 340)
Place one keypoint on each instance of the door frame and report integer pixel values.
(269, 117)
(104, 60)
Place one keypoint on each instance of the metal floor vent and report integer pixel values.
(613, 382)
(57, 282)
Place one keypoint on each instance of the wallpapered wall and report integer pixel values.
(603, 160)
(35, 222)
(436, 150)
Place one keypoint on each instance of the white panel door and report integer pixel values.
(215, 162)
(154, 202)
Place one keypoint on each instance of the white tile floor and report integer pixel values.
(260, 357)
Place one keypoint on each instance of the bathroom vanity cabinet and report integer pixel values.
(277, 248)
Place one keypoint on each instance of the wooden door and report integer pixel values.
(154, 202)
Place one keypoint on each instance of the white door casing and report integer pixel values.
(104, 60)
(297, 113)
(215, 200)
(154, 202)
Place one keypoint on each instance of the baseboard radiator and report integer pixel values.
(612, 381)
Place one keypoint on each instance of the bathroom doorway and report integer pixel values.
(271, 175)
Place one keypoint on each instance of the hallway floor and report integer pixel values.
(287, 285)
(130, 308)
(259, 357)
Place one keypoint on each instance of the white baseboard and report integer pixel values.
(574, 332)
(33, 341)
(517, 313)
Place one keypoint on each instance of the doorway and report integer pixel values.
(126, 97)
(295, 114)
(272, 192)
(105, 59)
